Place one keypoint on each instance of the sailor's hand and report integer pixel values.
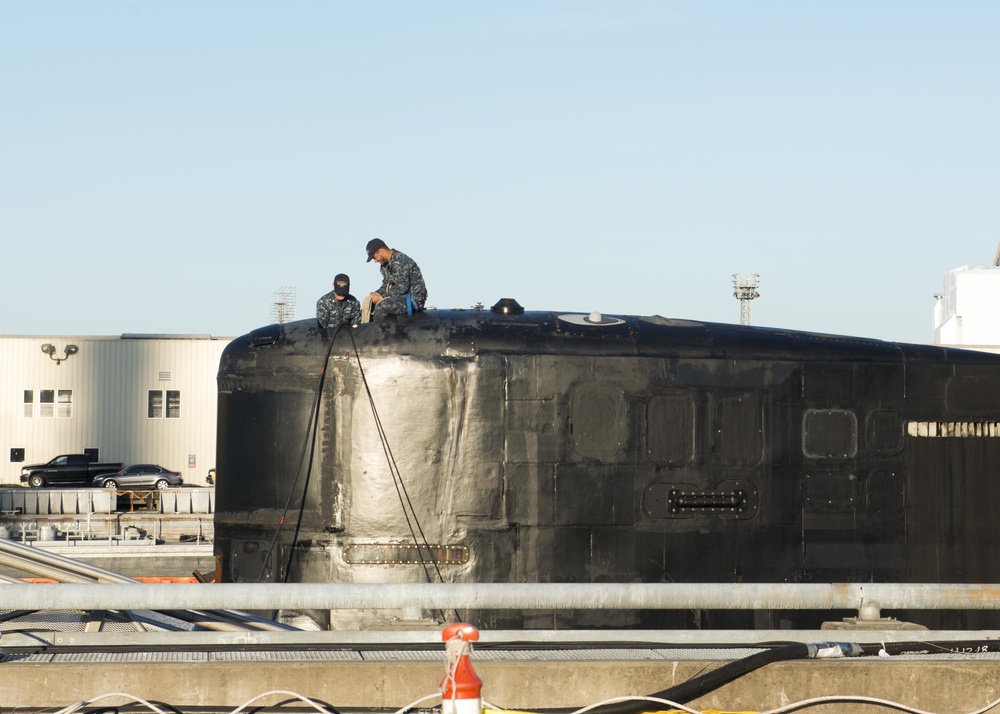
(375, 298)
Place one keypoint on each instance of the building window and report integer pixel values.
(154, 408)
(173, 404)
(52, 403)
(155, 404)
(64, 403)
(46, 403)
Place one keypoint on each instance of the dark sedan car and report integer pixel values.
(139, 475)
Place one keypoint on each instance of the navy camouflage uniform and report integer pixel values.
(400, 276)
(331, 312)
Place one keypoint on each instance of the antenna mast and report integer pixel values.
(745, 289)
(283, 305)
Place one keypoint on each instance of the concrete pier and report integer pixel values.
(520, 670)
(92, 639)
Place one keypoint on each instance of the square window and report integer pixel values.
(162, 404)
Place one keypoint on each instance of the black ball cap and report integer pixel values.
(373, 245)
(341, 284)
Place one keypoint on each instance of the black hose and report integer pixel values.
(699, 686)
(702, 684)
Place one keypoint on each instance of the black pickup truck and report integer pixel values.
(65, 470)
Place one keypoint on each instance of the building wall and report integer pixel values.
(966, 312)
(108, 380)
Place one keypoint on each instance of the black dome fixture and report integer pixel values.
(507, 306)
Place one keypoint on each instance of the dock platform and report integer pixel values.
(83, 660)
(165, 533)
(525, 671)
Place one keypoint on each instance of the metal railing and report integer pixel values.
(867, 599)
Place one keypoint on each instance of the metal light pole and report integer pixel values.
(745, 289)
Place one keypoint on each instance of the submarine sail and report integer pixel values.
(513, 446)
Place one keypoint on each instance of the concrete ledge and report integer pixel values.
(351, 679)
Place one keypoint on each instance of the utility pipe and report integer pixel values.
(866, 598)
(70, 570)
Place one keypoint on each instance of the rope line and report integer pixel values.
(310, 445)
(397, 479)
(454, 649)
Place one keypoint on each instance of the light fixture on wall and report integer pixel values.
(68, 350)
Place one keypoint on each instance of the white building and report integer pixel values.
(133, 398)
(967, 313)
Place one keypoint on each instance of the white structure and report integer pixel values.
(967, 313)
(133, 398)
(283, 305)
(745, 289)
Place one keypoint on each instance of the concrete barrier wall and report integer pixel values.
(198, 680)
(57, 501)
(80, 501)
(200, 500)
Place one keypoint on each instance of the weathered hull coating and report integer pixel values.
(537, 448)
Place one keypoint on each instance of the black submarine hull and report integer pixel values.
(474, 446)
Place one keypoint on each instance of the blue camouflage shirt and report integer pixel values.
(331, 312)
(402, 276)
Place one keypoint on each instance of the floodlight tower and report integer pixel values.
(283, 305)
(745, 289)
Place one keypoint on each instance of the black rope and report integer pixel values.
(310, 445)
(397, 479)
(409, 512)
(298, 705)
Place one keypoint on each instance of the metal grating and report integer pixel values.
(131, 657)
(287, 656)
(408, 655)
(572, 654)
(406, 554)
(26, 658)
(403, 655)
(59, 621)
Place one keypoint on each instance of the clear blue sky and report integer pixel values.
(166, 166)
